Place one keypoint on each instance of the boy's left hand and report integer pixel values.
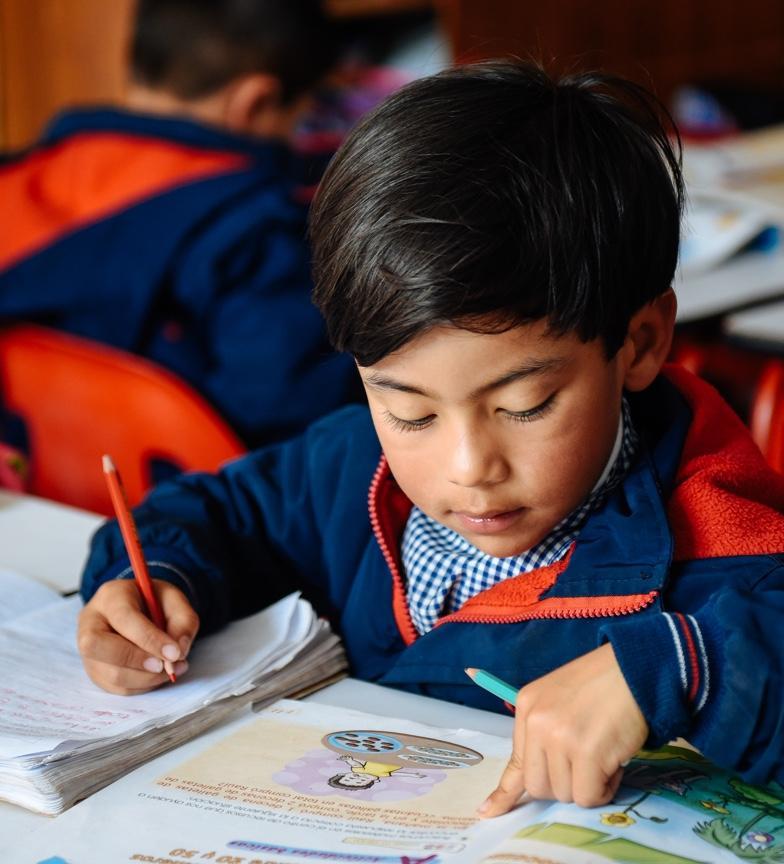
(574, 729)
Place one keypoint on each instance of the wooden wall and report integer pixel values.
(55, 53)
(663, 42)
(61, 52)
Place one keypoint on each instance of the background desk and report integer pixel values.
(752, 277)
(44, 540)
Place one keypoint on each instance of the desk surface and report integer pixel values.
(745, 279)
(44, 540)
(763, 324)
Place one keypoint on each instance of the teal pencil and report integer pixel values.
(493, 685)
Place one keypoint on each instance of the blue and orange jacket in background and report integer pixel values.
(682, 570)
(179, 242)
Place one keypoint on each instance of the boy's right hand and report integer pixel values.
(122, 650)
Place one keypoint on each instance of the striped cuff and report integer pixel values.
(167, 572)
(663, 659)
(693, 665)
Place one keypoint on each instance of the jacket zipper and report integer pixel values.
(409, 632)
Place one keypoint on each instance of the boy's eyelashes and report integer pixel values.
(402, 425)
(533, 413)
(526, 416)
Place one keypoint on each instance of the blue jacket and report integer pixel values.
(181, 243)
(682, 570)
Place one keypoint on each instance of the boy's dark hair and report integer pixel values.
(492, 195)
(193, 47)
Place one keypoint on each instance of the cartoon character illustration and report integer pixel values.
(364, 774)
(378, 765)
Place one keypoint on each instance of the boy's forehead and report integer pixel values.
(532, 341)
(476, 362)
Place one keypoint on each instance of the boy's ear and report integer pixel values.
(248, 101)
(648, 340)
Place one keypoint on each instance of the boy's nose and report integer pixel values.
(476, 460)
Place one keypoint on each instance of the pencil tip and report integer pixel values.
(470, 671)
(108, 465)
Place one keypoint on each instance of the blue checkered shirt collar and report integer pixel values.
(443, 570)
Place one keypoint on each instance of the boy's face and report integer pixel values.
(498, 436)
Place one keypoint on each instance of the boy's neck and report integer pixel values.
(271, 123)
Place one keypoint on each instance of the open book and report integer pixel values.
(61, 737)
(310, 782)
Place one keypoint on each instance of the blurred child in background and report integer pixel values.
(175, 228)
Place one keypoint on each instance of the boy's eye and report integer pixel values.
(532, 413)
(408, 425)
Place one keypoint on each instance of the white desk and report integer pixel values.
(44, 540)
(748, 278)
(763, 324)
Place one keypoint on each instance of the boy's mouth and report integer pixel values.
(490, 522)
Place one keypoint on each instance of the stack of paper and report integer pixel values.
(61, 737)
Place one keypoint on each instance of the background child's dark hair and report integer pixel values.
(492, 195)
(193, 47)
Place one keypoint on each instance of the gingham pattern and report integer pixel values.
(443, 569)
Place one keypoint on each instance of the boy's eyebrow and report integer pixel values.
(379, 381)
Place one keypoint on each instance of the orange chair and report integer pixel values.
(734, 371)
(79, 399)
(767, 414)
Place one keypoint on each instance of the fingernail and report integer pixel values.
(484, 807)
(185, 644)
(171, 652)
(153, 664)
(181, 667)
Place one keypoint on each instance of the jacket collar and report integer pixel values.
(178, 130)
(603, 574)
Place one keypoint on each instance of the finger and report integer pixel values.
(613, 783)
(182, 622)
(559, 769)
(97, 642)
(137, 628)
(127, 682)
(591, 786)
(537, 776)
(508, 791)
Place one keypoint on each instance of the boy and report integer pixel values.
(173, 229)
(495, 249)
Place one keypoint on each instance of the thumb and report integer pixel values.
(182, 622)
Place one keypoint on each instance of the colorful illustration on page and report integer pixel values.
(674, 807)
(377, 766)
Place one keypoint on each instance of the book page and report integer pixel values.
(298, 781)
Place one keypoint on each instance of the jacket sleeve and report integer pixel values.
(714, 676)
(237, 540)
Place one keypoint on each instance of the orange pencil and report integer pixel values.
(134, 550)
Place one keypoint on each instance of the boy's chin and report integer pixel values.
(501, 546)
